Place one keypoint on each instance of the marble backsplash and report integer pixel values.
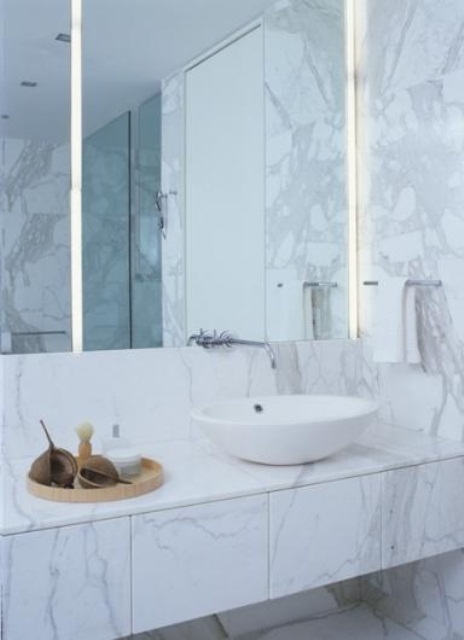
(149, 392)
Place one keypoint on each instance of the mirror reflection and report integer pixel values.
(35, 177)
(214, 171)
(214, 188)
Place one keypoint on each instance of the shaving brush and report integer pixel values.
(85, 433)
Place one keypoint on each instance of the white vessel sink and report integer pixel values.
(283, 430)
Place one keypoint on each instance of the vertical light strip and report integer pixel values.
(76, 176)
(352, 191)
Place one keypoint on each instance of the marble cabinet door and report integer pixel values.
(70, 583)
(423, 511)
(324, 533)
(198, 560)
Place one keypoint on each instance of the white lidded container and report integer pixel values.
(128, 462)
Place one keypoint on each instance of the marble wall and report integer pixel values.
(172, 247)
(35, 262)
(306, 207)
(411, 114)
(150, 392)
(411, 110)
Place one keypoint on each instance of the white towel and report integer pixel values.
(395, 337)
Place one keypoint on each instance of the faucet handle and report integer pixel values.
(227, 338)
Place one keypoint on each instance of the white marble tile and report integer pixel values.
(34, 202)
(305, 133)
(411, 144)
(356, 623)
(190, 477)
(71, 583)
(381, 448)
(323, 534)
(173, 259)
(291, 609)
(150, 392)
(197, 474)
(409, 42)
(426, 597)
(203, 629)
(423, 512)
(213, 557)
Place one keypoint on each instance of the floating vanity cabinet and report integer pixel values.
(70, 583)
(198, 560)
(324, 533)
(423, 511)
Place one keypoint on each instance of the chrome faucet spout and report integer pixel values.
(256, 343)
(208, 340)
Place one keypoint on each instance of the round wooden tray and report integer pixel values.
(150, 479)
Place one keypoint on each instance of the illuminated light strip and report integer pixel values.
(76, 177)
(352, 191)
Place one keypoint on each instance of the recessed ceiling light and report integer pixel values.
(28, 83)
(63, 37)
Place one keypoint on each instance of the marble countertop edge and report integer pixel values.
(198, 473)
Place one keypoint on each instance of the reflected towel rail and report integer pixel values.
(39, 333)
(410, 283)
(320, 284)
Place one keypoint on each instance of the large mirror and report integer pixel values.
(214, 177)
(35, 310)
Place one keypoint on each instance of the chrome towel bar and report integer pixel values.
(411, 283)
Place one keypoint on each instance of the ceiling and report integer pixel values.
(128, 47)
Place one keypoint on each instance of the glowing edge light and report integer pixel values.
(351, 126)
(76, 177)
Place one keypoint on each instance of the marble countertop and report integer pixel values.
(196, 472)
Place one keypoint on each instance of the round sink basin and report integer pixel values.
(283, 430)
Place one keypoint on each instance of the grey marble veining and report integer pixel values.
(412, 224)
(306, 209)
(34, 202)
(426, 597)
(65, 389)
(78, 583)
(172, 246)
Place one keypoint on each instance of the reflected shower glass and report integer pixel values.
(105, 236)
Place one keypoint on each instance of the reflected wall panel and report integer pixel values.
(35, 167)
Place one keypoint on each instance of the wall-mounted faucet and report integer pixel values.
(210, 339)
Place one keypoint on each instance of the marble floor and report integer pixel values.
(359, 622)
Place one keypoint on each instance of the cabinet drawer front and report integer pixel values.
(198, 560)
(71, 583)
(323, 534)
(423, 512)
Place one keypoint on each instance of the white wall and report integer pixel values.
(224, 182)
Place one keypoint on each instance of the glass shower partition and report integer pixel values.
(122, 291)
(106, 232)
(146, 316)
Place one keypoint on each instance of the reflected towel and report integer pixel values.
(395, 337)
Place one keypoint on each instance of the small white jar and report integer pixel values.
(128, 462)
